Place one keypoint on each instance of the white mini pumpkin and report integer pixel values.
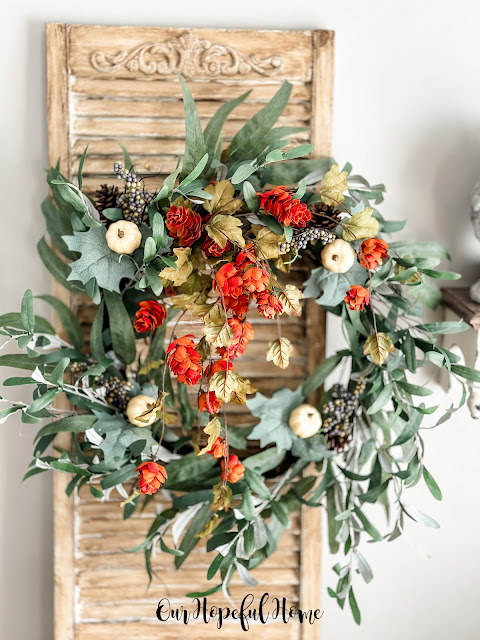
(338, 256)
(305, 421)
(123, 236)
(136, 406)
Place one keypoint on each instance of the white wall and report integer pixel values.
(406, 113)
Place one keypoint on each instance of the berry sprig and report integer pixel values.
(135, 199)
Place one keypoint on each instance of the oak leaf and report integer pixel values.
(213, 430)
(378, 346)
(219, 335)
(222, 228)
(223, 198)
(333, 184)
(224, 383)
(279, 352)
(361, 226)
(290, 298)
(184, 268)
(267, 242)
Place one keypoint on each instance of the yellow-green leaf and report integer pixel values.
(378, 346)
(361, 226)
(224, 384)
(184, 268)
(219, 335)
(290, 299)
(223, 198)
(213, 430)
(279, 352)
(267, 243)
(222, 228)
(333, 185)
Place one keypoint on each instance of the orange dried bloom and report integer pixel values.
(268, 305)
(209, 402)
(215, 367)
(243, 333)
(286, 209)
(151, 476)
(372, 253)
(184, 224)
(213, 250)
(229, 279)
(357, 298)
(218, 449)
(246, 257)
(255, 279)
(184, 361)
(238, 306)
(235, 469)
(150, 316)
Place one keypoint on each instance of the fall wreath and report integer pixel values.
(217, 240)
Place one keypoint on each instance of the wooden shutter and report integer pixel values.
(118, 84)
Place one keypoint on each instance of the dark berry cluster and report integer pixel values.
(77, 368)
(302, 239)
(117, 391)
(134, 200)
(339, 413)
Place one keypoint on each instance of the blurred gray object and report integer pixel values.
(475, 215)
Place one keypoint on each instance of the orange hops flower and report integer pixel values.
(213, 250)
(268, 305)
(184, 224)
(238, 306)
(218, 449)
(286, 209)
(243, 333)
(184, 361)
(372, 253)
(235, 469)
(255, 279)
(246, 256)
(150, 316)
(215, 367)
(151, 476)
(357, 298)
(209, 402)
(229, 279)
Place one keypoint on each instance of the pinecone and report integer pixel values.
(106, 197)
(339, 416)
(325, 216)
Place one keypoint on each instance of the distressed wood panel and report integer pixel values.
(118, 84)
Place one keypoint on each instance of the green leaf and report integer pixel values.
(420, 249)
(298, 152)
(322, 371)
(195, 147)
(414, 389)
(153, 280)
(121, 329)
(58, 225)
(57, 374)
(19, 361)
(367, 525)
(465, 372)
(251, 139)
(333, 525)
(80, 168)
(381, 400)
(98, 260)
(96, 493)
(274, 414)
(118, 476)
(96, 334)
(27, 314)
(42, 401)
(127, 161)
(114, 214)
(194, 174)
(73, 424)
(213, 129)
(257, 484)
(158, 230)
(172, 552)
(247, 507)
(59, 270)
(431, 484)
(271, 223)
(190, 539)
(68, 319)
(408, 348)
(330, 288)
(373, 494)
(187, 413)
(242, 173)
(441, 275)
(410, 429)
(14, 321)
(213, 568)
(204, 594)
(149, 250)
(294, 171)
(120, 436)
(67, 467)
(354, 607)
(279, 512)
(443, 327)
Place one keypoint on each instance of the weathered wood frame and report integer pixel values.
(57, 38)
